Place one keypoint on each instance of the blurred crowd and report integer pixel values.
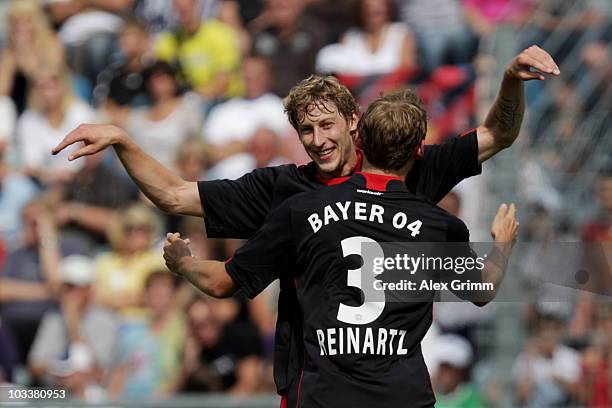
(86, 302)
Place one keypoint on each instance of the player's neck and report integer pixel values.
(367, 167)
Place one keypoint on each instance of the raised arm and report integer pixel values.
(503, 122)
(165, 189)
(504, 230)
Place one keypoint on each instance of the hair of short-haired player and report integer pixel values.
(392, 128)
(325, 93)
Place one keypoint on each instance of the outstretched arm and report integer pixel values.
(503, 122)
(210, 277)
(165, 189)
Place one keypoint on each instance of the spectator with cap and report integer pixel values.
(73, 346)
(451, 380)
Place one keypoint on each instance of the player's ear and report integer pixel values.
(353, 123)
(420, 152)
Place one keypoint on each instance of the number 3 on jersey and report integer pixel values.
(374, 300)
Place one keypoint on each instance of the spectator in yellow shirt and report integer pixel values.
(121, 273)
(207, 53)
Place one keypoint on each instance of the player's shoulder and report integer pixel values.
(466, 139)
(456, 231)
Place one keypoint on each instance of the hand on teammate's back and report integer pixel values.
(505, 226)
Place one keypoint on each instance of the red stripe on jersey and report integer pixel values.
(338, 180)
(283, 403)
(377, 182)
(297, 403)
(228, 260)
(469, 132)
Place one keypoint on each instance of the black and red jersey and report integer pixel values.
(361, 347)
(238, 208)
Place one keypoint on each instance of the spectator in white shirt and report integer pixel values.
(230, 125)
(547, 373)
(54, 111)
(379, 45)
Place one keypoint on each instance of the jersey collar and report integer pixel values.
(338, 180)
(378, 182)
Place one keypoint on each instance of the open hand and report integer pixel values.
(532, 63)
(95, 138)
(504, 227)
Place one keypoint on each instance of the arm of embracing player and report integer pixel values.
(208, 276)
(504, 231)
(503, 122)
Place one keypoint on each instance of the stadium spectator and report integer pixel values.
(379, 45)
(157, 15)
(265, 150)
(8, 119)
(547, 372)
(289, 39)
(88, 29)
(486, 16)
(9, 357)
(217, 356)
(121, 85)
(599, 229)
(30, 276)
(337, 16)
(207, 52)
(31, 43)
(54, 110)
(597, 362)
(121, 273)
(191, 163)
(73, 346)
(451, 381)
(17, 189)
(443, 35)
(192, 159)
(172, 118)
(146, 363)
(84, 206)
(258, 107)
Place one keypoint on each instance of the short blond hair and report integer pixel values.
(131, 215)
(392, 128)
(318, 91)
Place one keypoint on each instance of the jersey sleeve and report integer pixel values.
(265, 256)
(445, 165)
(458, 237)
(238, 208)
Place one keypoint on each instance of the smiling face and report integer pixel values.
(327, 138)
